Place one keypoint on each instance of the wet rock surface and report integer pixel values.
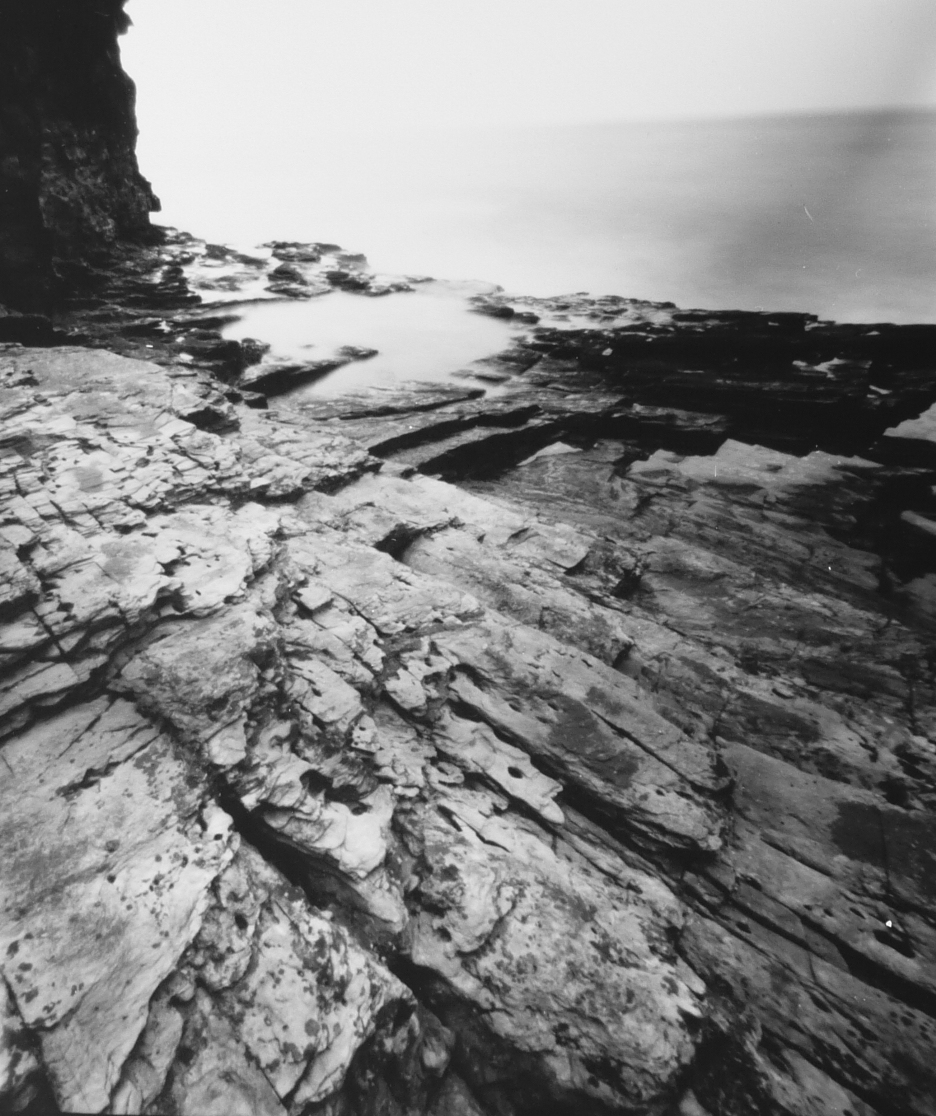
(565, 748)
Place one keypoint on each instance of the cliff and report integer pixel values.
(69, 182)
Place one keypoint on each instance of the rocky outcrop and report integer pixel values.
(571, 749)
(183, 662)
(69, 183)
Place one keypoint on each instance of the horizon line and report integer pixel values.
(726, 118)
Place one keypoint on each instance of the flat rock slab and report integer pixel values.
(569, 965)
(109, 854)
(592, 726)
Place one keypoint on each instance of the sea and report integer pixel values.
(831, 214)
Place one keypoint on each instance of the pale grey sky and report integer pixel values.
(276, 67)
(342, 120)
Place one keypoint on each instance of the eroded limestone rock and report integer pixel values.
(617, 754)
(109, 854)
(566, 965)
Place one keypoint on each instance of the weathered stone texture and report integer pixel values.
(69, 183)
(334, 787)
(596, 776)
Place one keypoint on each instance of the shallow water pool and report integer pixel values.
(428, 334)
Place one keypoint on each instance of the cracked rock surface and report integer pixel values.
(570, 750)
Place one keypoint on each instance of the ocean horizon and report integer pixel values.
(832, 214)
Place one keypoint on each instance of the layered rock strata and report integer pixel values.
(563, 750)
(69, 183)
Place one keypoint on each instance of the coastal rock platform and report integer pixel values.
(569, 748)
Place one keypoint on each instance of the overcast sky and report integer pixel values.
(277, 66)
(288, 118)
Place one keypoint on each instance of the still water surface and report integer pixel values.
(427, 334)
(833, 215)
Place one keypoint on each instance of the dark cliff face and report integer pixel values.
(69, 181)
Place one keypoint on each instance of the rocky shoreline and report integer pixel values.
(564, 749)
